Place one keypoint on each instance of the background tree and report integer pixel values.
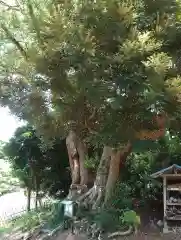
(39, 170)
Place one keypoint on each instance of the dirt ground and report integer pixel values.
(152, 237)
(140, 236)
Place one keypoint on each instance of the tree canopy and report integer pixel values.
(104, 68)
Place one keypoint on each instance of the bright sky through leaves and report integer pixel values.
(8, 124)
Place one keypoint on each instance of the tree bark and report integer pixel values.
(96, 194)
(80, 175)
(118, 159)
(107, 175)
(36, 192)
(71, 143)
(84, 175)
(36, 199)
(28, 199)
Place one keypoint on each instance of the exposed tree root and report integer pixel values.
(121, 234)
(76, 190)
(93, 198)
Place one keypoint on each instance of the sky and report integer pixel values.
(8, 124)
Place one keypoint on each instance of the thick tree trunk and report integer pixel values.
(71, 143)
(80, 176)
(114, 171)
(118, 159)
(107, 175)
(96, 194)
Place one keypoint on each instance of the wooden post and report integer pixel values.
(165, 229)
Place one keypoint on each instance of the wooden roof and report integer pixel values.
(173, 171)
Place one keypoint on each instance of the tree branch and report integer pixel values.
(34, 21)
(16, 43)
(93, 114)
(15, 7)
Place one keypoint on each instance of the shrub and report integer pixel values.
(131, 218)
(29, 221)
(136, 175)
(51, 216)
(121, 197)
(92, 162)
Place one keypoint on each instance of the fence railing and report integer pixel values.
(5, 218)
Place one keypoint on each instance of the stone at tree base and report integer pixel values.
(160, 223)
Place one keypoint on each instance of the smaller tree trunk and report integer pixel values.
(28, 199)
(40, 202)
(36, 200)
(36, 192)
(96, 194)
(118, 159)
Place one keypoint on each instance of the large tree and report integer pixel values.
(94, 71)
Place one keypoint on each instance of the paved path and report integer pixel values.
(12, 204)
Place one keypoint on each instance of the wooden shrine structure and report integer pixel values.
(171, 196)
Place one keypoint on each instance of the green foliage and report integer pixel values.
(30, 220)
(51, 216)
(111, 219)
(121, 197)
(92, 163)
(136, 175)
(107, 219)
(45, 170)
(4, 230)
(8, 183)
(131, 218)
(136, 187)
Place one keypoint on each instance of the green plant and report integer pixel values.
(50, 215)
(136, 176)
(43, 173)
(92, 162)
(121, 197)
(130, 218)
(4, 230)
(7, 182)
(30, 220)
(107, 219)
